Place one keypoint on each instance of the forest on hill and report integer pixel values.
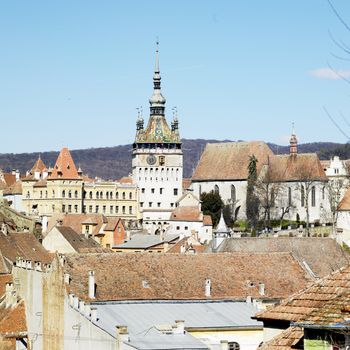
(115, 162)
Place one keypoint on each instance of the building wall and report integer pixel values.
(54, 241)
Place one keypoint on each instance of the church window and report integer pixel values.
(63, 194)
(302, 196)
(233, 346)
(90, 194)
(130, 210)
(200, 190)
(216, 189)
(313, 196)
(69, 194)
(323, 192)
(175, 191)
(123, 209)
(130, 195)
(76, 194)
(123, 195)
(75, 208)
(289, 196)
(233, 194)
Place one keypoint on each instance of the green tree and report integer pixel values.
(212, 205)
(252, 202)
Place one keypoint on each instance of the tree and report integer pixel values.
(212, 205)
(228, 215)
(252, 201)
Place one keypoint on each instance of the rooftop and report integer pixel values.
(144, 241)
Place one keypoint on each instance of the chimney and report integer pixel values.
(71, 299)
(37, 265)
(122, 335)
(66, 278)
(249, 299)
(93, 313)
(207, 288)
(87, 310)
(223, 344)
(10, 295)
(17, 175)
(261, 289)
(180, 327)
(91, 285)
(29, 265)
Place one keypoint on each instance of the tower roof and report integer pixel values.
(157, 130)
(39, 166)
(65, 167)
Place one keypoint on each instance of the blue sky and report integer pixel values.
(72, 73)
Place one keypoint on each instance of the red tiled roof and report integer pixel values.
(13, 320)
(207, 220)
(287, 340)
(39, 166)
(344, 204)
(9, 178)
(65, 167)
(229, 160)
(125, 180)
(186, 213)
(182, 276)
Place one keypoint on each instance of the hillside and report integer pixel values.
(115, 162)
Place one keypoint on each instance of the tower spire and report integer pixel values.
(293, 143)
(157, 100)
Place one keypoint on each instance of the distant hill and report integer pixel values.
(115, 162)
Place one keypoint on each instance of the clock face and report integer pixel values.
(151, 159)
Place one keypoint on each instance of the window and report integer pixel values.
(123, 195)
(313, 196)
(101, 195)
(96, 209)
(53, 194)
(175, 191)
(28, 194)
(76, 194)
(171, 205)
(161, 190)
(117, 209)
(111, 195)
(97, 195)
(63, 208)
(75, 208)
(84, 209)
(302, 196)
(63, 194)
(69, 208)
(117, 195)
(178, 227)
(233, 194)
(141, 204)
(152, 190)
(130, 210)
(104, 209)
(289, 196)
(111, 209)
(90, 194)
(142, 190)
(161, 160)
(41, 194)
(158, 204)
(107, 195)
(216, 189)
(87, 229)
(130, 195)
(108, 245)
(123, 209)
(69, 194)
(45, 194)
(186, 228)
(233, 346)
(323, 190)
(150, 204)
(90, 208)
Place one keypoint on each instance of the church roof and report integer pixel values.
(229, 160)
(65, 167)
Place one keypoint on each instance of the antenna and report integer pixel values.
(141, 111)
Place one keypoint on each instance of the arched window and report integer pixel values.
(76, 194)
(233, 346)
(289, 196)
(313, 196)
(63, 194)
(117, 195)
(233, 193)
(107, 195)
(97, 195)
(69, 194)
(130, 195)
(90, 194)
(111, 195)
(216, 189)
(302, 196)
(123, 195)
(101, 195)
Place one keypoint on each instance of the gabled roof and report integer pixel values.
(78, 241)
(289, 339)
(65, 167)
(299, 167)
(230, 160)
(186, 213)
(112, 223)
(39, 166)
(15, 188)
(305, 249)
(183, 276)
(344, 204)
(325, 302)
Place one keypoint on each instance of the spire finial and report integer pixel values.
(293, 128)
(156, 68)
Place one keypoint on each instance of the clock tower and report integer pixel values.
(157, 161)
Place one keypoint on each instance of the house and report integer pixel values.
(317, 317)
(111, 300)
(65, 240)
(107, 231)
(321, 256)
(187, 219)
(189, 245)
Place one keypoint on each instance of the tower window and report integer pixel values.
(175, 191)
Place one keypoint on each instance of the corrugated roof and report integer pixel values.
(230, 160)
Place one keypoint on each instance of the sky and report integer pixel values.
(72, 73)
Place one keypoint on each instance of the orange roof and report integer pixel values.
(207, 220)
(230, 160)
(39, 166)
(13, 320)
(345, 202)
(65, 167)
(186, 213)
(287, 340)
(125, 180)
(186, 183)
(9, 178)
